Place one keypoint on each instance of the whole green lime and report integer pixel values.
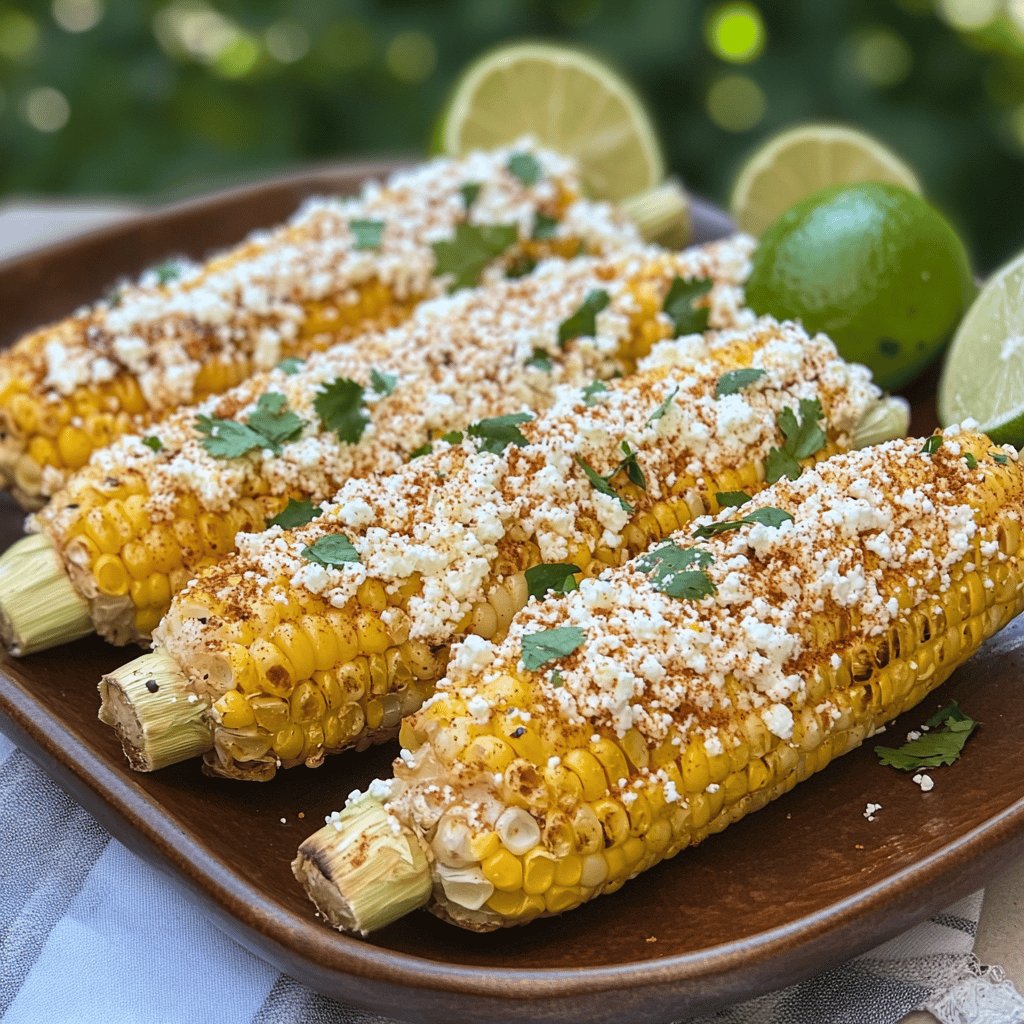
(874, 267)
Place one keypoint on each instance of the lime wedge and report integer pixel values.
(983, 377)
(565, 99)
(803, 160)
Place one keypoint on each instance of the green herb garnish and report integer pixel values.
(583, 323)
(526, 167)
(383, 383)
(1000, 457)
(767, 516)
(556, 576)
(469, 191)
(339, 404)
(331, 549)
(673, 572)
(732, 499)
(972, 462)
(592, 392)
(367, 234)
(269, 426)
(663, 408)
(932, 444)
(550, 645)
(167, 272)
(544, 227)
(472, 247)
(952, 728)
(541, 359)
(679, 306)
(295, 513)
(803, 438)
(498, 432)
(291, 365)
(734, 381)
(153, 442)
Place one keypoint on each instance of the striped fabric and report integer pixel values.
(91, 934)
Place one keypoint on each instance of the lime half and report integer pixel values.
(803, 160)
(566, 100)
(984, 373)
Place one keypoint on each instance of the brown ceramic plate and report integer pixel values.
(801, 885)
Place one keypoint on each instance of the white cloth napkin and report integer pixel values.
(90, 934)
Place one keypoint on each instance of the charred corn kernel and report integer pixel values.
(273, 668)
(234, 710)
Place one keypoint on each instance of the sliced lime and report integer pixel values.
(801, 161)
(565, 99)
(983, 377)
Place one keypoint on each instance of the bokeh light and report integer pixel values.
(46, 109)
(411, 56)
(735, 32)
(970, 15)
(881, 56)
(345, 45)
(736, 103)
(77, 15)
(287, 41)
(19, 34)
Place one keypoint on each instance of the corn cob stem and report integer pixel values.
(888, 418)
(38, 605)
(661, 214)
(363, 870)
(154, 710)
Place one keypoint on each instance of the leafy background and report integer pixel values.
(157, 98)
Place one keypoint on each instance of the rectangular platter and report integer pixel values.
(799, 886)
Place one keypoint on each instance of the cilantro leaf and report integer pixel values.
(674, 573)
(498, 432)
(153, 442)
(767, 516)
(556, 679)
(331, 549)
(268, 426)
(453, 437)
(734, 381)
(541, 359)
(680, 309)
(932, 749)
(367, 234)
(274, 420)
(803, 438)
(663, 408)
(473, 246)
(550, 645)
(690, 585)
(972, 462)
(600, 483)
(932, 444)
(469, 191)
(295, 513)
(291, 365)
(670, 557)
(383, 383)
(732, 499)
(583, 323)
(556, 576)
(526, 167)
(1000, 457)
(592, 392)
(424, 449)
(167, 272)
(544, 227)
(520, 267)
(339, 404)
(631, 466)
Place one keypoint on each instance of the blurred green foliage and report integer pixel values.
(164, 97)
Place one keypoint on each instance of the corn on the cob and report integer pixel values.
(298, 658)
(338, 268)
(149, 512)
(682, 691)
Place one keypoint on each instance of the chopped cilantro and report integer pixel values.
(295, 513)
(473, 246)
(631, 467)
(734, 381)
(366, 233)
(424, 449)
(583, 323)
(679, 306)
(291, 365)
(593, 391)
(672, 572)
(153, 442)
(972, 462)
(550, 645)
(932, 444)
(732, 499)
(767, 516)
(663, 408)
(556, 576)
(453, 437)
(331, 549)
(469, 191)
(498, 432)
(629, 464)
(1001, 457)
(556, 679)
(803, 438)
(383, 383)
(932, 749)
(544, 227)
(270, 425)
(526, 167)
(520, 267)
(600, 483)
(541, 359)
(670, 557)
(167, 272)
(339, 404)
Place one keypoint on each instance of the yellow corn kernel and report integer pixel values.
(372, 596)
(271, 713)
(538, 872)
(289, 741)
(612, 758)
(372, 634)
(111, 577)
(234, 711)
(296, 647)
(590, 772)
(307, 703)
(504, 903)
(503, 870)
(483, 845)
(74, 447)
(274, 668)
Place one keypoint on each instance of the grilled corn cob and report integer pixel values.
(322, 638)
(185, 331)
(147, 513)
(616, 725)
